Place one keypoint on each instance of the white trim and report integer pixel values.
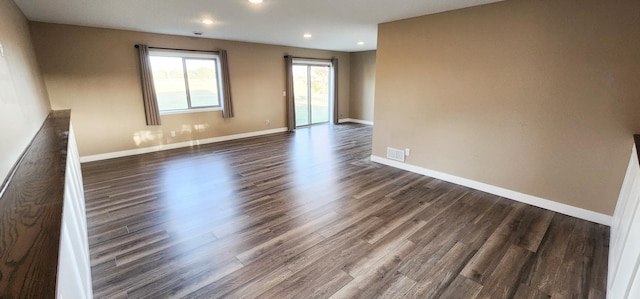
(510, 194)
(169, 146)
(353, 120)
(623, 280)
(192, 110)
(183, 53)
(312, 61)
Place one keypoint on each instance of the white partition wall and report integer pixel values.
(74, 268)
(624, 251)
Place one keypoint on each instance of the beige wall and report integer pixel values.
(362, 81)
(94, 72)
(540, 97)
(23, 100)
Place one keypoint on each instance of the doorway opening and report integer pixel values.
(312, 90)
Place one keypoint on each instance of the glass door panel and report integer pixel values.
(301, 94)
(319, 94)
(311, 86)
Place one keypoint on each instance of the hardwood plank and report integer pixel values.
(597, 294)
(536, 231)
(268, 281)
(316, 282)
(575, 270)
(398, 287)
(390, 243)
(503, 282)
(544, 271)
(335, 249)
(312, 283)
(527, 292)
(245, 279)
(126, 243)
(31, 207)
(197, 275)
(462, 287)
(433, 281)
(149, 266)
(598, 282)
(486, 223)
(510, 232)
(351, 215)
(274, 243)
(375, 279)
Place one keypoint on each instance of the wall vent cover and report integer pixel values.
(395, 154)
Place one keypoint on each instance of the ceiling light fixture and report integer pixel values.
(307, 35)
(360, 43)
(207, 21)
(255, 1)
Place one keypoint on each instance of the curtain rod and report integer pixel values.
(307, 58)
(176, 49)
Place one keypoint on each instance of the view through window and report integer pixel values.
(311, 88)
(186, 81)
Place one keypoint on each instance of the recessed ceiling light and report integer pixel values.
(207, 21)
(255, 1)
(307, 35)
(360, 43)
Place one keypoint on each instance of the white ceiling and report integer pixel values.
(335, 24)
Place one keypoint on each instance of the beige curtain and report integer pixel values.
(334, 64)
(291, 109)
(151, 110)
(227, 104)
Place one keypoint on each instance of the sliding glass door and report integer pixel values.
(311, 88)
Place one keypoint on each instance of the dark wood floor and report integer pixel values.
(307, 215)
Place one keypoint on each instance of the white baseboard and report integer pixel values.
(163, 147)
(510, 194)
(353, 120)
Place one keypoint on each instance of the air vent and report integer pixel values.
(395, 154)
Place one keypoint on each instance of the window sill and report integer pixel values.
(190, 111)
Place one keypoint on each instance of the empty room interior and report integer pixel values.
(320, 149)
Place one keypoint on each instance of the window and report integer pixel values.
(186, 81)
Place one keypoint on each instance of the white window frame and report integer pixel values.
(193, 55)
